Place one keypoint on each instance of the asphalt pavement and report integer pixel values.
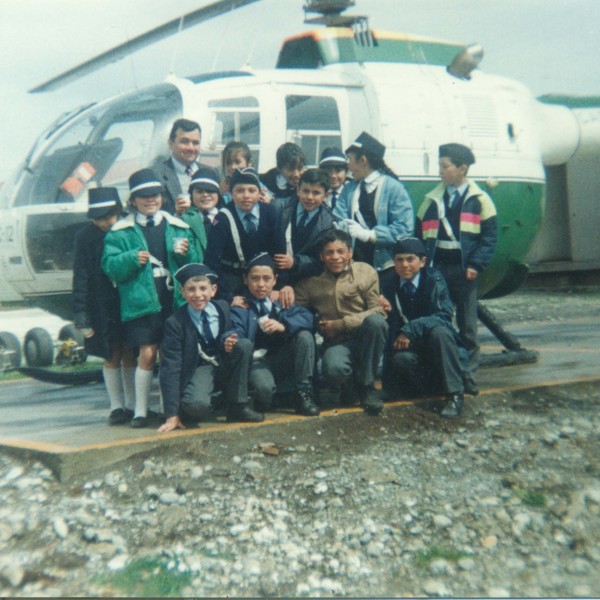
(66, 426)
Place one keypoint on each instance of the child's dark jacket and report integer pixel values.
(244, 321)
(221, 251)
(307, 257)
(435, 303)
(478, 226)
(179, 356)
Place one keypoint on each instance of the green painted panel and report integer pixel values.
(572, 101)
(392, 51)
(310, 52)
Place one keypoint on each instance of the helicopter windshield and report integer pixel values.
(102, 147)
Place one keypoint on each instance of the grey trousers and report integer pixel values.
(463, 294)
(294, 362)
(359, 357)
(432, 366)
(232, 374)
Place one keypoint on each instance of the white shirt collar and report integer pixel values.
(180, 167)
(142, 220)
(415, 280)
(372, 180)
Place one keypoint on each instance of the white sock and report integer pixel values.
(128, 380)
(112, 381)
(143, 384)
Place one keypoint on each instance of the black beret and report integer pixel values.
(204, 179)
(102, 201)
(368, 144)
(261, 260)
(458, 153)
(194, 270)
(409, 245)
(145, 183)
(247, 175)
(333, 157)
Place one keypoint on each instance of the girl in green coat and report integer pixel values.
(141, 254)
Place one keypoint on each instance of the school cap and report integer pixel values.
(102, 201)
(260, 260)
(247, 176)
(204, 179)
(368, 144)
(409, 245)
(457, 153)
(333, 157)
(145, 183)
(195, 270)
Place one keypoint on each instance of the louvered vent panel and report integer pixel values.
(482, 118)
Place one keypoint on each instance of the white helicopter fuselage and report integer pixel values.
(411, 108)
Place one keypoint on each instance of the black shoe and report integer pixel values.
(372, 404)
(305, 405)
(470, 386)
(454, 406)
(139, 422)
(348, 396)
(244, 414)
(118, 416)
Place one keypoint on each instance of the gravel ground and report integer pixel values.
(504, 502)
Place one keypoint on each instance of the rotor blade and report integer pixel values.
(141, 41)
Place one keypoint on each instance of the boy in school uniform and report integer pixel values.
(423, 353)
(242, 229)
(95, 305)
(335, 163)
(303, 222)
(197, 355)
(282, 181)
(200, 210)
(457, 223)
(141, 254)
(284, 335)
(352, 322)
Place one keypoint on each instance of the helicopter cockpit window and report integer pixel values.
(313, 123)
(134, 136)
(101, 147)
(236, 119)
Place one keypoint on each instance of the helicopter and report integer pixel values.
(329, 84)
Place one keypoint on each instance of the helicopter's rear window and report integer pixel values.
(313, 123)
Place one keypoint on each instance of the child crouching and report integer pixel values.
(196, 357)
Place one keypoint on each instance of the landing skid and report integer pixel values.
(514, 354)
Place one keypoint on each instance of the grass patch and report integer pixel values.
(531, 498)
(424, 557)
(149, 577)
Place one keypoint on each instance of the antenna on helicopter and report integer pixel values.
(331, 16)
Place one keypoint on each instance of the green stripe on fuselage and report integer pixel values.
(520, 210)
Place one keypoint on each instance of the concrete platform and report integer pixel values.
(66, 427)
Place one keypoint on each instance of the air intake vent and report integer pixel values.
(482, 118)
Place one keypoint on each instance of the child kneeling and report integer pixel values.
(283, 338)
(198, 355)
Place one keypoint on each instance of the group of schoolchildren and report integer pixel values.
(229, 281)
